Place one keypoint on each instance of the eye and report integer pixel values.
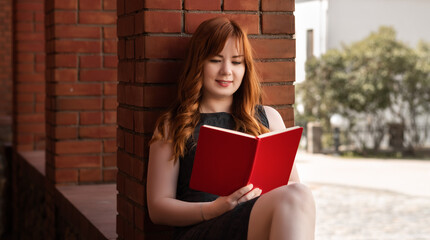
(236, 62)
(215, 60)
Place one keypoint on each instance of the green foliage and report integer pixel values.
(368, 81)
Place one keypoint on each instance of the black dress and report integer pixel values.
(232, 224)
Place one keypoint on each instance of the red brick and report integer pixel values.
(66, 175)
(287, 115)
(158, 96)
(125, 26)
(133, 5)
(77, 161)
(24, 57)
(65, 60)
(109, 146)
(126, 71)
(109, 175)
(39, 27)
(110, 61)
(67, 31)
(109, 5)
(121, 49)
(87, 118)
(30, 47)
(277, 5)
(65, 118)
(109, 46)
(162, 22)
(274, 48)
(158, 72)
(249, 22)
(30, 128)
(203, 5)
(31, 118)
(109, 117)
(139, 47)
(25, 36)
(65, 132)
(278, 95)
(105, 75)
(90, 5)
(163, 4)
(109, 32)
(97, 132)
(93, 17)
(21, 16)
(91, 61)
(90, 175)
(65, 75)
(109, 160)
(165, 47)
(30, 88)
(66, 4)
(65, 17)
(29, 6)
(74, 104)
(30, 77)
(251, 5)
(125, 118)
(120, 6)
(69, 46)
(109, 89)
(78, 89)
(134, 191)
(110, 103)
(277, 23)
(276, 71)
(78, 147)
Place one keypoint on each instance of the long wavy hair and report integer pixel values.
(178, 123)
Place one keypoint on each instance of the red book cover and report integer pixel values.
(227, 160)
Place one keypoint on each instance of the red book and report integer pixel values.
(227, 160)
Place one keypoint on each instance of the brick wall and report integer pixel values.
(28, 75)
(152, 41)
(5, 70)
(81, 91)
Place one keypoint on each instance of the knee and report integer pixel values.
(297, 196)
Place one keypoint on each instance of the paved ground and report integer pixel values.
(368, 198)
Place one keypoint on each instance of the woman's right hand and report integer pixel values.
(227, 203)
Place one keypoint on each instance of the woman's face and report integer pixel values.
(223, 73)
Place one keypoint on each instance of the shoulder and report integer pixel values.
(275, 120)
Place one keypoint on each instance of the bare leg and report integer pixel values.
(287, 212)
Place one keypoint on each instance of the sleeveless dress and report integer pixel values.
(232, 224)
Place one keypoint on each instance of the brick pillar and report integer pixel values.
(5, 71)
(153, 35)
(81, 91)
(29, 75)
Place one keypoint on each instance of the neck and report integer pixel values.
(216, 105)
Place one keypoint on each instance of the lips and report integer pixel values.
(224, 83)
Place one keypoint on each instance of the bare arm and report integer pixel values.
(276, 123)
(163, 206)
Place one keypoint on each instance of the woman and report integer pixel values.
(220, 87)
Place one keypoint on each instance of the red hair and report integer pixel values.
(178, 123)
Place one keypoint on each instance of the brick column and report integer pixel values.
(5, 71)
(153, 36)
(81, 91)
(28, 75)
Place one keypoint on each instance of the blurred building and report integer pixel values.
(327, 24)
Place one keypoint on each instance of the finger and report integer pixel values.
(242, 191)
(250, 195)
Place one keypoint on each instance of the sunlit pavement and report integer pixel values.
(368, 198)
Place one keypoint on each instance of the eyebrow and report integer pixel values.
(235, 56)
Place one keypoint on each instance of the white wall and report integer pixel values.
(353, 20)
(309, 15)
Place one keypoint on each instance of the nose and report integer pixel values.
(226, 69)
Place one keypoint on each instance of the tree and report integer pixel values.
(371, 82)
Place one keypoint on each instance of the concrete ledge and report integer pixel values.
(91, 209)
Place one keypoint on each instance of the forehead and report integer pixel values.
(233, 44)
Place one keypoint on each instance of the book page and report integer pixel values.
(230, 131)
(277, 132)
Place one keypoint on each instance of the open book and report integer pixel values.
(227, 160)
